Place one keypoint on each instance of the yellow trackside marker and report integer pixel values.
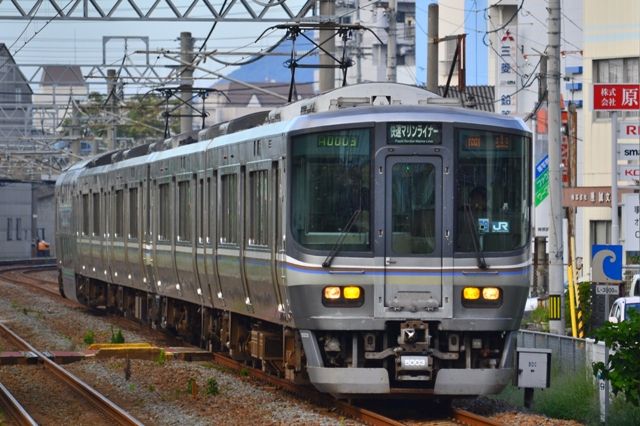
(554, 307)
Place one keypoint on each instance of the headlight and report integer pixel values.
(331, 293)
(491, 293)
(481, 297)
(347, 296)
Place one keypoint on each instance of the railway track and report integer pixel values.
(353, 411)
(100, 403)
(24, 275)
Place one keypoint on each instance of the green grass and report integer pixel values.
(574, 396)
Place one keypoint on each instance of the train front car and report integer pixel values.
(408, 259)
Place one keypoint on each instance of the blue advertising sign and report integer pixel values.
(606, 263)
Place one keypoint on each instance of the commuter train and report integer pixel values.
(371, 240)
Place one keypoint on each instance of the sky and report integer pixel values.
(81, 42)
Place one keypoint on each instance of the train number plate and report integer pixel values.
(414, 363)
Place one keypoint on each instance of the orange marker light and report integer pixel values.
(471, 293)
(351, 292)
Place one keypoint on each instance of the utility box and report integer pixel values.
(533, 367)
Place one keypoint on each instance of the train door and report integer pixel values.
(148, 205)
(413, 228)
(203, 240)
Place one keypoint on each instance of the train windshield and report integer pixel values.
(492, 191)
(330, 202)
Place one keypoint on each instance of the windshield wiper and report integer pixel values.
(341, 237)
(468, 216)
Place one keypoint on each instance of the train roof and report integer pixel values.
(366, 101)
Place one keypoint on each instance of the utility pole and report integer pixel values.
(432, 49)
(391, 41)
(75, 130)
(327, 72)
(556, 275)
(358, 40)
(186, 82)
(112, 130)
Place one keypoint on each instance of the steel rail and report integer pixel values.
(470, 419)
(13, 408)
(94, 397)
(366, 416)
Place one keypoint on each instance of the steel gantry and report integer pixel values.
(160, 10)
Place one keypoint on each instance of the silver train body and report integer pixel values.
(336, 240)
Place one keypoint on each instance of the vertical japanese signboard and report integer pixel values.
(507, 77)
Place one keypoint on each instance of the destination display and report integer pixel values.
(414, 133)
(345, 141)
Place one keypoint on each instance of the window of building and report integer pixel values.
(258, 228)
(164, 196)
(621, 70)
(133, 213)
(9, 229)
(85, 214)
(119, 214)
(18, 228)
(184, 208)
(96, 213)
(229, 209)
(600, 231)
(18, 95)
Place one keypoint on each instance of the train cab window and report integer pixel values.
(330, 190)
(133, 213)
(85, 214)
(229, 209)
(258, 229)
(119, 214)
(184, 211)
(492, 191)
(413, 207)
(164, 211)
(96, 214)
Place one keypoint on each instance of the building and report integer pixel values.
(15, 104)
(60, 85)
(26, 213)
(233, 100)
(611, 55)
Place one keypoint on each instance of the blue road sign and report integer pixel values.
(606, 263)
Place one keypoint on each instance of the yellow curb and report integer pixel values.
(114, 346)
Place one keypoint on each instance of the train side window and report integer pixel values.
(133, 213)
(85, 214)
(96, 213)
(229, 209)
(200, 227)
(184, 211)
(164, 222)
(210, 210)
(258, 226)
(9, 228)
(119, 216)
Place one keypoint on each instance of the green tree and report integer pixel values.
(623, 369)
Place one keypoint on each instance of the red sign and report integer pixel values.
(616, 97)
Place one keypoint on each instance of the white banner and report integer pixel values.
(629, 152)
(629, 172)
(631, 221)
(628, 130)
